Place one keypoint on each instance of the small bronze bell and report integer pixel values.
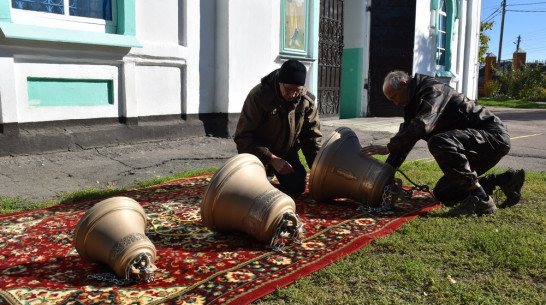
(240, 198)
(113, 232)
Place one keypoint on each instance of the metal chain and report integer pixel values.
(290, 228)
(416, 187)
(391, 193)
(110, 278)
(388, 199)
(140, 263)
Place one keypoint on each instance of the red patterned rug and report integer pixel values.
(39, 265)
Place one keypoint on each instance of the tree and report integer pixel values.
(484, 40)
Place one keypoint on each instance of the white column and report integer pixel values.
(129, 99)
(192, 83)
(8, 98)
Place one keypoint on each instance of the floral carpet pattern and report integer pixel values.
(39, 264)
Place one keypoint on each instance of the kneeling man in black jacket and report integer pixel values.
(465, 139)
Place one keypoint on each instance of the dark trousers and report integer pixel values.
(463, 156)
(293, 184)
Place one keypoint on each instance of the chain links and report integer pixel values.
(110, 278)
(290, 228)
(415, 187)
(141, 267)
(392, 192)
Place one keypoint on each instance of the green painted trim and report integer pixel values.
(69, 92)
(441, 73)
(351, 83)
(126, 17)
(285, 49)
(5, 11)
(435, 5)
(125, 37)
(31, 32)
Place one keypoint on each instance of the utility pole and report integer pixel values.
(502, 30)
(517, 44)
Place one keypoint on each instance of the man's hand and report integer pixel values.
(280, 165)
(375, 150)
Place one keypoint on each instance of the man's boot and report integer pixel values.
(473, 205)
(512, 188)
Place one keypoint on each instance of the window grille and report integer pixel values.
(98, 9)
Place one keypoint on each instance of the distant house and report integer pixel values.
(78, 74)
(488, 71)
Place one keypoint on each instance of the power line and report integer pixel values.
(524, 11)
(535, 36)
(496, 12)
(525, 4)
(490, 18)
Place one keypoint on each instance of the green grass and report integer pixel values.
(510, 103)
(497, 259)
(159, 180)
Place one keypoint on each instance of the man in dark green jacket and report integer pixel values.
(465, 139)
(278, 119)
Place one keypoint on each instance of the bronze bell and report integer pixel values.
(341, 171)
(113, 232)
(240, 198)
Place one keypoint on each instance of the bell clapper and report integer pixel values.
(141, 269)
(291, 228)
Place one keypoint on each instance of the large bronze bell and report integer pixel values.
(113, 232)
(341, 171)
(240, 198)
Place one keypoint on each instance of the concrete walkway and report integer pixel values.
(390, 125)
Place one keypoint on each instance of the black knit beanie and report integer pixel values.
(292, 72)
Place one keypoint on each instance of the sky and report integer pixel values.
(525, 18)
